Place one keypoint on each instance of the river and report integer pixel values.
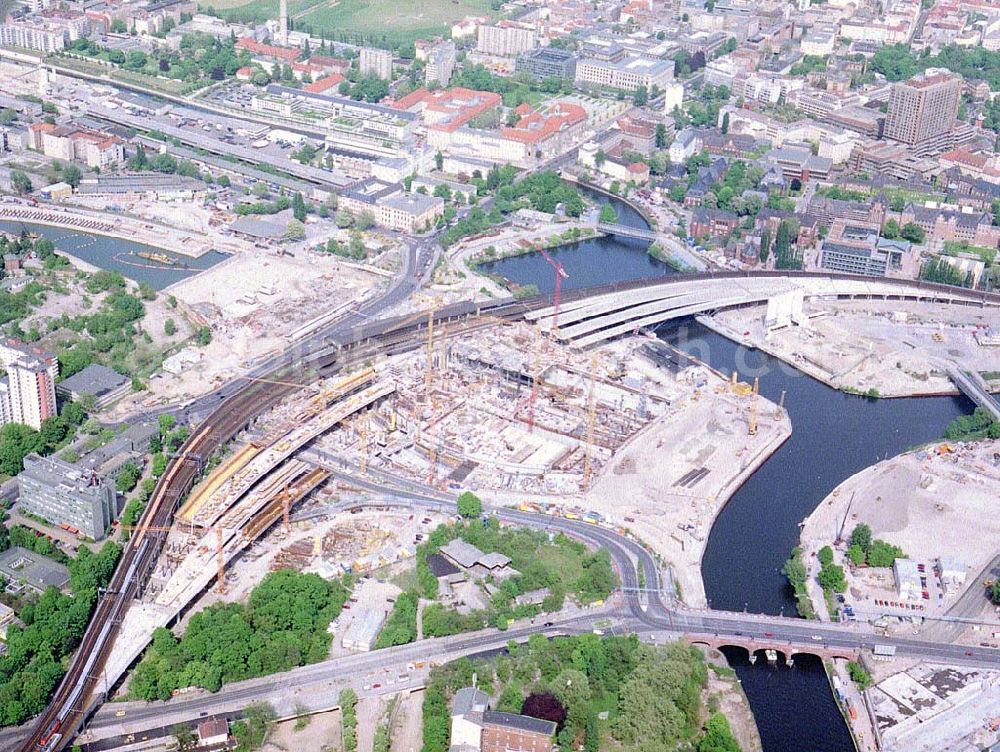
(114, 254)
(834, 435)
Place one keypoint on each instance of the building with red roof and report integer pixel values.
(324, 84)
(269, 51)
(446, 110)
(547, 130)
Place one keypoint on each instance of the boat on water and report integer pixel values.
(160, 258)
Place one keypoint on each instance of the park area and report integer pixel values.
(380, 22)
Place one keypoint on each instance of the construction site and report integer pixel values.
(896, 348)
(314, 483)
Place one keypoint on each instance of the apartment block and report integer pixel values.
(440, 63)
(30, 396)
(506, 40)
(63, 494)
(375, 62)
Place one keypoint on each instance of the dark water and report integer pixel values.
(834, 435)
(101, 252)
(590, 262)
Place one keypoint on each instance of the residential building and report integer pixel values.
(509, 732)
(547, 62)
(375, 62)
(686, 144)
(466, 715)
(213, 733)
(440, 63)
(922, 110)
(268, 52)
(673, 96)
(614, 166)
(34, 34)
(476, 728)
(506, 39)
(105, 384)
(715, 223)
(31, 392)
(60, 493)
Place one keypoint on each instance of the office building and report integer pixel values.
(375, 62)
(857, 248)
(64, 495)
(618, 70)
(390, 207)
(440, 63)
(506, 39)
(547, 62)
(922, 111)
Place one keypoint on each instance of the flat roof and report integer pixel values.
(21, 565)
(95, 379)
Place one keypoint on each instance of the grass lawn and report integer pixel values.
(383, 22)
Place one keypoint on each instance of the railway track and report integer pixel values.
(76, 695)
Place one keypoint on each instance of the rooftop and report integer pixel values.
(520, 722)
(21, 565)
(94, 379)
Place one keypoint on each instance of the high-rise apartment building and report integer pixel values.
(30, 393)
(440, 63)
(506, 40)
(63, 494)
(375, 62)
(922, 110)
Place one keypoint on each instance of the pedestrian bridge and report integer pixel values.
(590, 319)
(639, 233)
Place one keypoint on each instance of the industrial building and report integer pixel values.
(64, 495)
(476, 728)
(364, 629)
(105, 384)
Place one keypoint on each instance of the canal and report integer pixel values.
(115, 254)
(834, 435)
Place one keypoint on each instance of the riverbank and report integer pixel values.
(880, 348)
(122, 228)
(934, 503)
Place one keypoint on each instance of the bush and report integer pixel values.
(859, 676)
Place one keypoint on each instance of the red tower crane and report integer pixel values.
(560, 276)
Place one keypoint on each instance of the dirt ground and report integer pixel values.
(895, 347)
(320, 734)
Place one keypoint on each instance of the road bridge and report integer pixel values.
(972, 386)
(588, 320)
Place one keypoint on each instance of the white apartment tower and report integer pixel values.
(283, 21)
(375, 62)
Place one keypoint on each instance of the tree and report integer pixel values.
(16, 442)
(439, 160)
(765, 245)
(883, 554)
(469, 505)
(203, 336)
(825, 555)
(299, 210)
(127, 478)
(913, 232)
(641, 96)
(831, 578)
(890, 229)
(572, 689)
(661, 136)
(725, 123)
(21, 183)
(718, 736)
(295, 230)
(169, 327)
(72, 175)
(856, 555)
(859, 676)
(608, 214)
(861, 537)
